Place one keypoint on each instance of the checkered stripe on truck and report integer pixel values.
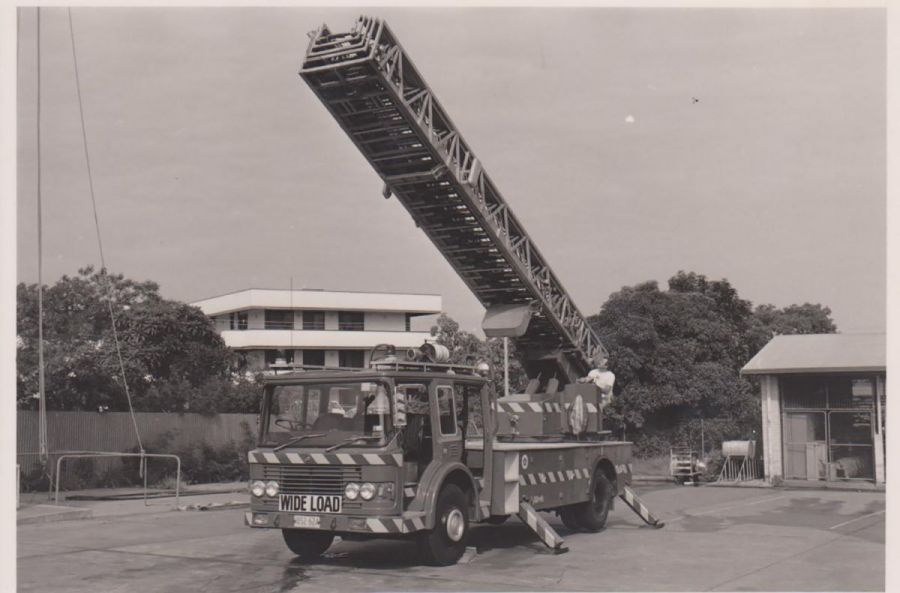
(395, 459)
(568, 475)
(395, 524)
(539, 407)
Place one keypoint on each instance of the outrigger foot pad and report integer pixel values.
(638, 506)
(544, 531)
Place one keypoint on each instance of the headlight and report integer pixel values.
(367, 491)
(257, 488)
(271, 488)
(351, 491)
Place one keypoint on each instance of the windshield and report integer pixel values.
(325, 414)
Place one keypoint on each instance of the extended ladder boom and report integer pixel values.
(377, 95)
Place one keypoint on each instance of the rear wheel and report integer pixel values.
(592, 515)
(308, 545)
(567, 514)
(445, 544)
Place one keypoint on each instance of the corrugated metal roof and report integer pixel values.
(810, 353)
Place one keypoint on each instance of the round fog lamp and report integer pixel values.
(257, 488)
(271, 488)
(351, 491)
(367, 491)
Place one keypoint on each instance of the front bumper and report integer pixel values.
(408, 523)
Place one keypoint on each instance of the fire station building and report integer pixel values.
(823, 406)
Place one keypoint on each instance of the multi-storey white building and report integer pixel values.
(316, 327)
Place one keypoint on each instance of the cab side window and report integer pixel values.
(446, 409)
(468, 408)
(416, 396)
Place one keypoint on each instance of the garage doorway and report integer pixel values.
(805, 446)
(828, 427)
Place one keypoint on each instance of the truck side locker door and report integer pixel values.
(446, 434)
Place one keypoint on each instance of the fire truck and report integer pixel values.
(414, 446)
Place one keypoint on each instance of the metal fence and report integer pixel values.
(113, 431)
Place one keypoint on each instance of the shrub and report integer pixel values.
(200, 462)
(34, 481)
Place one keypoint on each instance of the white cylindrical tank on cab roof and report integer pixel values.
(436, 352)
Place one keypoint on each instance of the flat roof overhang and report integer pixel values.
(323, 300)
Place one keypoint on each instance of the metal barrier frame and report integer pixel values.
(738, 469)
(143, 457)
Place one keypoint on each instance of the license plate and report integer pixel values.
(309, 503)
(308, 521)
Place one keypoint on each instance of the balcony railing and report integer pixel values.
(286, 325)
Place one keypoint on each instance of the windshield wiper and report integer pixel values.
(297, 440)
(353, 440)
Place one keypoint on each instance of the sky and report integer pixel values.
(746, 144)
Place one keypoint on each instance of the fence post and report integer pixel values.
(702, 441)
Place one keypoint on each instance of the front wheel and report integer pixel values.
(308, 545)
(445, 544)
(591, 515)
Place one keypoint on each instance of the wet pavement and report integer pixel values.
(733, 539)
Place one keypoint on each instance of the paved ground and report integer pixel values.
(732, 539)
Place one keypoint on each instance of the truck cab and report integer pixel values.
(378, 452)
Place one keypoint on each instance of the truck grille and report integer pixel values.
(312, 479)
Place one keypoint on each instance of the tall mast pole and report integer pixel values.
(42, 401)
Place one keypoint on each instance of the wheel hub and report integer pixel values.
(456, 524)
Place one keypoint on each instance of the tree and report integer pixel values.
(769, 321)
(467, 348)
(170, 351)
(464, 347)
(677, 355)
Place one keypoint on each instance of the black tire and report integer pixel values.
(567, 514)
(592, 515)
(445, 544)
(497, 519)
(307, 544)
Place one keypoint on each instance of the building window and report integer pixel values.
(408, 322)
(802, 393)
(351, 321)
(279, 357)
(314, 358)
(314, 320)
(279, 319)
(815, 392)
(354, 359)
(853, 393)
(237, 320)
